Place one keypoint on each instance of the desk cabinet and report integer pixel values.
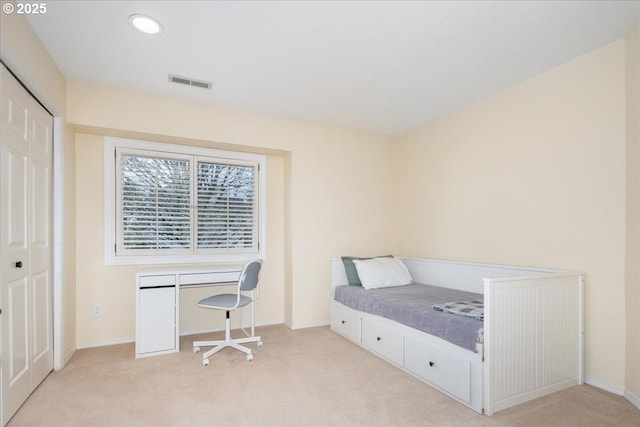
(156, 315)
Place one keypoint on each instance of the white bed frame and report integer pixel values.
(533, 333)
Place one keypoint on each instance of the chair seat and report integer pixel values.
(224, 301)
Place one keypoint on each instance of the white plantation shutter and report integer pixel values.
(155, 203)
(227, 214)
(177, 206)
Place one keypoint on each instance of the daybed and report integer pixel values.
(529, 344)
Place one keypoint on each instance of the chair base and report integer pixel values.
(227, 342)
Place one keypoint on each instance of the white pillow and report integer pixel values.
(382, 273)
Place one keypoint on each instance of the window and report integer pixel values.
(154, 199)
(171, 203)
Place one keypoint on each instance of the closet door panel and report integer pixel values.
(14, 251)
(18, 319)
(41, 319)
(40, 189)
(16, 111)
(26, 132)
(17, 190)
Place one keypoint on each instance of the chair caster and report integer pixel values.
(249, 357)
(196, 349)
(205, 362)
(259, 344)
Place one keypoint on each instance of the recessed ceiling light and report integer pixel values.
(146, 24)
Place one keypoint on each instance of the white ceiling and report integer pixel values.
(379, 66)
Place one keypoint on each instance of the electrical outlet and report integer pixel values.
(96, 310)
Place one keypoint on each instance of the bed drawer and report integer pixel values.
(383, 340)
(345, 322)
(442, 368)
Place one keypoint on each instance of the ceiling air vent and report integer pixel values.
(189, 81)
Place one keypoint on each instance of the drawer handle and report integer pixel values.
(379, 339)
(431, 363)
(344, 321)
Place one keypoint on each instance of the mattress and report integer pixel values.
(412, 305)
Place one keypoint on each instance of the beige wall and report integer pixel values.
(331, 185)
(24, 54)
(533, 175)
(633, 216)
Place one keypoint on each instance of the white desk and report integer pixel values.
(158, 304)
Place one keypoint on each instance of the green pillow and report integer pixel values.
(352, 272)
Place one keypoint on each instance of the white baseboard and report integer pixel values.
(126, 340)
(103, 343)
(635, 400)
(208, 331)
(68, 355)
(199, 331)
(279, 322)
(604, 386)
(310, 325)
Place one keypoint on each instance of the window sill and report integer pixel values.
(112, 259)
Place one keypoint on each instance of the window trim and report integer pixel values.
(110, 202)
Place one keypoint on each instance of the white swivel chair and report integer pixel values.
(247, 284)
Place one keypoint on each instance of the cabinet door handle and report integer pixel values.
(18, 264)
(379, 339)
(431, 363)
(344, 321)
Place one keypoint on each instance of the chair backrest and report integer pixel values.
(250, 276)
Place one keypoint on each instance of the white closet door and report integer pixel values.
(40, 245)
(25, 244)
(14, 152)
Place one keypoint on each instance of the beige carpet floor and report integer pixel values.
(307, 377)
